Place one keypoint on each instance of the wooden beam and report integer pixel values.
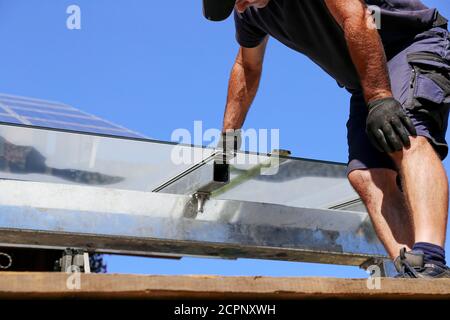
(107, 286)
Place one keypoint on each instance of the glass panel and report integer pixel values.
(60, 116)
(64, 157)
(20, 102)
(56, 115)
(41, 108)
(297, 183)
(9, 119)
(87, 129)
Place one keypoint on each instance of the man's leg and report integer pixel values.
(425, 185)
(386, 206)
(420, 213)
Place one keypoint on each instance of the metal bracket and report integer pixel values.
(73, 260)
(205, 176)
(201, 197)
(384, 266)
(199, 182)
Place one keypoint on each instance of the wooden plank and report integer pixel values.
(94, 286)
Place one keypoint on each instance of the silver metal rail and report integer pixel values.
(139, 223)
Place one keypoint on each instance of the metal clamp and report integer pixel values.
(73, 260)
(10, 261)
(385, 266)
(201, 198)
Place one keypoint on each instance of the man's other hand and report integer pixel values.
(388, 126)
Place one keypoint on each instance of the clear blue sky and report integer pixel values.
(154, 66)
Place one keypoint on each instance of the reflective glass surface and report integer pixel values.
(49, 114)
(36, 154)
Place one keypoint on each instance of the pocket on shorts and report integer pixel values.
(429, 87)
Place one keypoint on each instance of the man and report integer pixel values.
(399, 78)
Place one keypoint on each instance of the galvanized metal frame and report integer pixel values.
(140, 223)
(171, 224)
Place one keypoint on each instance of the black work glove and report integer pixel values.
(388, 126)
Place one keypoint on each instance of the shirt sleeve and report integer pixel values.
(247, 34)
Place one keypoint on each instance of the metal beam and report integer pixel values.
(140, 223)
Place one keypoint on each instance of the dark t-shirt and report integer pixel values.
(308, 27)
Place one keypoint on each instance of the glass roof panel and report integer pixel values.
(30, 111)
(35, 154)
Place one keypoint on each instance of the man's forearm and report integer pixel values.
(369, 58)
(242, 90)
(388, 126)
(365, 47)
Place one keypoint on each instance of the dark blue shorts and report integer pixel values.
(420, 79)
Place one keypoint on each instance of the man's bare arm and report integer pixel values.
(243, 85)
(365, 46)
(388, 126)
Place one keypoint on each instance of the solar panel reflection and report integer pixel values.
(48, 114)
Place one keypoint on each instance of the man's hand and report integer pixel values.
(229, 144)
(388, 126)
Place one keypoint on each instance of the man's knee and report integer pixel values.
(362, 182)
(368, 182)
(419, 146)
(359, 179)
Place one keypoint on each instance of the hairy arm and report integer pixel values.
(243, 85)
(388, 126)
(365, 46)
